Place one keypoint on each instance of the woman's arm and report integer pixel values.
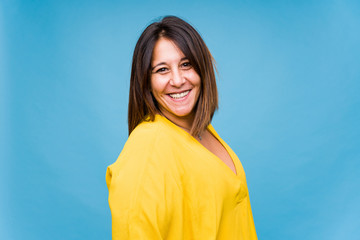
(144, 197)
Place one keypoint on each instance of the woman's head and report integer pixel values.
(158, 77)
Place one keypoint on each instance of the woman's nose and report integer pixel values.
(177, 79)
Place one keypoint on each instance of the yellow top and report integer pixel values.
(166, 185)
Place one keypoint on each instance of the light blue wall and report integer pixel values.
(289, 86)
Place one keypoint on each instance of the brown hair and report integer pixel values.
(141, 102)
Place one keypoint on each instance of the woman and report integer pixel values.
(175, 177)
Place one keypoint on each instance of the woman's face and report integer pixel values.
(174, 82)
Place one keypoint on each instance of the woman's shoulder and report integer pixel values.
(149, 132)
(149, 149)
(149, 141)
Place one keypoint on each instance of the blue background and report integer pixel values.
(289, 75)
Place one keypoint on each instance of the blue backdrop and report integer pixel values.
(289, 75)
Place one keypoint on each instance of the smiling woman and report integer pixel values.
(175, 177)
(175, 84)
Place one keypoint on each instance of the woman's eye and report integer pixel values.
(160, 70)
(186, 65)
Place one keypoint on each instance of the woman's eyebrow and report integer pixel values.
(157, 65)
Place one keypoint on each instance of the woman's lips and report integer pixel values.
(179, 95)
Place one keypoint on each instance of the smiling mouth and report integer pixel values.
(179, 95)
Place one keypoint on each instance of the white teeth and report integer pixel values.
(179, 95)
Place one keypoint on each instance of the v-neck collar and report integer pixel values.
(212, 131)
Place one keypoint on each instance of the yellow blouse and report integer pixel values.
(166, 185)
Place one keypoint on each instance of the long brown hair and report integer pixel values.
(141, 102)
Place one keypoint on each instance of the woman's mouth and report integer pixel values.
(179, 95)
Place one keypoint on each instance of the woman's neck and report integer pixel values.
(182, 122)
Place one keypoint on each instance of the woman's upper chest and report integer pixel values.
(205, 174)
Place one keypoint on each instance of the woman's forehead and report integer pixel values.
(166, 50)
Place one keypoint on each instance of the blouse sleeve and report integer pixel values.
(144, 197)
